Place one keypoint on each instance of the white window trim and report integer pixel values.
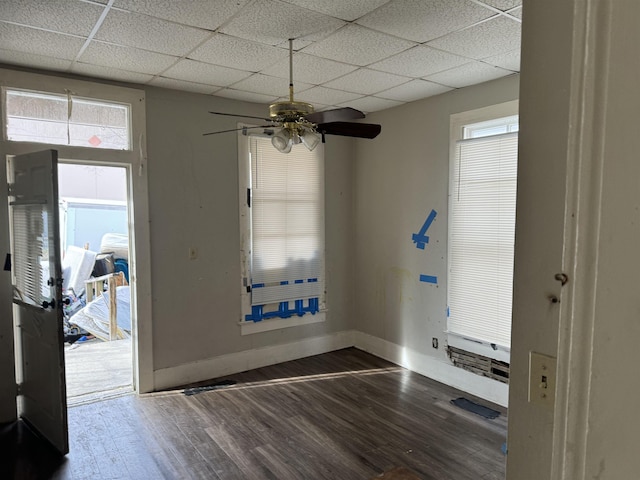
(135, 160)
(457, 123)
(250, 327)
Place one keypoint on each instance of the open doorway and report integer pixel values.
(94, 241)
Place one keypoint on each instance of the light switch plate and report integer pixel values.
(542, 379)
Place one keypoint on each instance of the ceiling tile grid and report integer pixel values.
(237, 53)
(373, 53)
(469, 74)
(359, 46)
(274, 22)
(62, 16)
(126, 58)
(149, 33)
(424, 20)
(199, 13)
(199, 72)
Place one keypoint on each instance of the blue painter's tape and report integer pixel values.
(284, 282)
(298, 281)
(257, 311)
(257, 285)
(428, 279)
(421, 239)
(448, 312)
(312, 280)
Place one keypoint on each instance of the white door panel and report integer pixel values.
(37, 281)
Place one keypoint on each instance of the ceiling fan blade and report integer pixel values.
(348, 129)
(243, 116)
(335, 115)
(237, 129)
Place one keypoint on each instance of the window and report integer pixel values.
(283, 229)
(66, 120)
(482, 208)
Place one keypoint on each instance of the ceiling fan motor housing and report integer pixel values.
(289, 111)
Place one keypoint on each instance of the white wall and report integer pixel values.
(193, 182)
(578, 212)
(400, 177)
(193, 188)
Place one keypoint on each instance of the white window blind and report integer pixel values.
(287, 223)
(481, 238)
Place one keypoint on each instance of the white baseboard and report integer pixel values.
(443, 372)
(249, 359)
(446, 373)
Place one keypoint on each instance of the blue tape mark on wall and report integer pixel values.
(428, 279)
(421, 239)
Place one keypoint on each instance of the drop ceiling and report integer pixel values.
(366, 54)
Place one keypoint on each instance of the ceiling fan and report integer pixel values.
(297, 122)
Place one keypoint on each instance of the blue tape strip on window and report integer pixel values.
(257, 311)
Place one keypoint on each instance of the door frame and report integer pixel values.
(136, 162)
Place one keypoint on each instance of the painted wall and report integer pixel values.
(193, 197)
(400, 177)
(578, 212)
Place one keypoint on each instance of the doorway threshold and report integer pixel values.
(98, 370)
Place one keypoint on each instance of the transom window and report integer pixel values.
(56, 119)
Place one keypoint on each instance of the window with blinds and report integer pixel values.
(287, 229)
(482, 211)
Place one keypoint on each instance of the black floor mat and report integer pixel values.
(473, 407)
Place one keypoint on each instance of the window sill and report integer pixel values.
(249, 328)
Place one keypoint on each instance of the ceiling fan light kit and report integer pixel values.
(299, 123)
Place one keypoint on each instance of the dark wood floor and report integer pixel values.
(339, 416)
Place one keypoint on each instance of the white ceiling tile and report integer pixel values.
(273, 22)
(413, 90)
(267, 85)
(238, 53)
(327, 96)
(349, 11)
(199, 13)
(419, 61)
(424, 20)
(126, 58)
(309, 68)
(371, 104)
(174, 84)
(509, 60)
(109, 73)
(206, 73)
(39, 42)
(516, 12)
(495, 36)
(141, 31)
(66, 16)
(358, 46)
(469, 74)
(503, 4)
(33, 60)
(246, 96)
(366, 82)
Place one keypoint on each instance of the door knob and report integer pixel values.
(51, 304)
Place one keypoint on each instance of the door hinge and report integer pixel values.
(249, 197)
(18, 388)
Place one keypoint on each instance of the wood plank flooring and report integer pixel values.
(342, 415)
(97, 369)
